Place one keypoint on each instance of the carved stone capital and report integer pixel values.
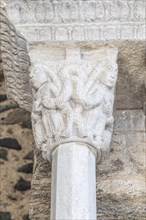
(70, 93)
(69, 90)
(73, 99)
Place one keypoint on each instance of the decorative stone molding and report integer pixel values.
(16, 62)
(79, 20)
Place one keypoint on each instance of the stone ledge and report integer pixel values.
(84, 20)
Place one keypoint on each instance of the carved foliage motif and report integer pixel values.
(73, 100)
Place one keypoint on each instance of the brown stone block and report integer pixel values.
(130, 85)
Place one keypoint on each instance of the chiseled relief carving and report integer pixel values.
(51, 20)
(73, 100)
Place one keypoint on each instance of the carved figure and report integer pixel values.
(58, 101)
(78, 77)
(97, 99)
(73, 103)
(89, 97)
(47, 121)
(38, 78)
(77, 97)
(107, 78)
(52, 119)
(71, 81)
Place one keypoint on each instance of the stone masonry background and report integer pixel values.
(16, 158)
(121, 187)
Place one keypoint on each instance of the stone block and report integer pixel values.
(130, 85)
(129, 120)
(73, 20)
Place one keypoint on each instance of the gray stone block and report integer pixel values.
(129, 120)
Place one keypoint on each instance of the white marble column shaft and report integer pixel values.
(73, 183)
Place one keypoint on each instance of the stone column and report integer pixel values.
(72, 123)
(73, 182)
(71, 99)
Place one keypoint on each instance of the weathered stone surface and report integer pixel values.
(78, 20)
(3, 154)
(22, 185)
(10, 143)
(29, 156)
(120, 177)
(130, 90)
(12, 197)
(18, 116)
(1, 70)
(113, 206)
(40, 193)
(26, 124)
(129, 120)
(26, 217)
(77, 105)
(27, 168)
(14, 201)
(4, 108)
(3, 97)
(130, 85)
(122, 171)
(15, 61)
(5, 216)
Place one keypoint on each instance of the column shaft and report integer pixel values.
(73, 183)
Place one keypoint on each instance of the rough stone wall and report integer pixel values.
(16, 142)
(15, 62)
(16, 158)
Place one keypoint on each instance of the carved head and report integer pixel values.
(38, 75)
(108, 73)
